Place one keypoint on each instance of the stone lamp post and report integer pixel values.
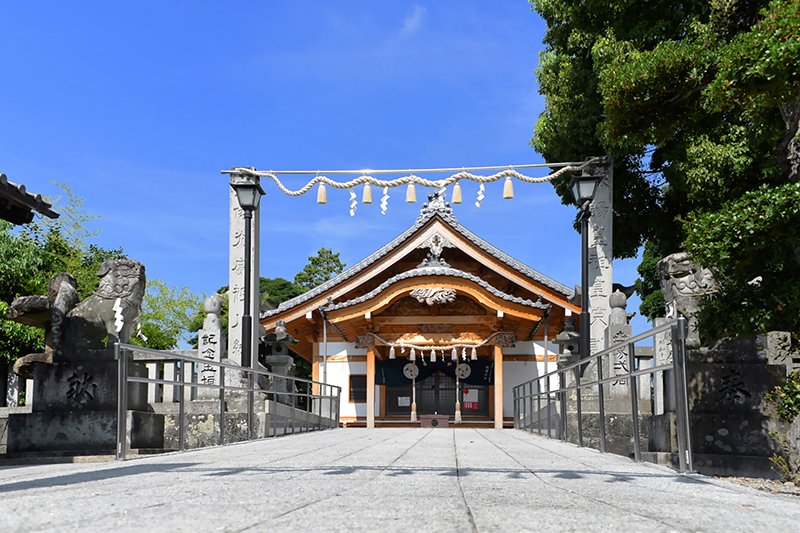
(249, 193)
(583, 189)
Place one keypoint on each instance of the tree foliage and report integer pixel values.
(699, 105)
(320, 268)
(34, 253)
(167, 315)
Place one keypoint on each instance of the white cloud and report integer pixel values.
(413, 21)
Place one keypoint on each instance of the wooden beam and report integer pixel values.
(427, 319)
(371, 386)
(498, 387)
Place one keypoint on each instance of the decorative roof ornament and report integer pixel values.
(436, 244)
(436, 205)
(434, 296)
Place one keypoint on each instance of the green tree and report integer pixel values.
(168, 314)
(320, 268)
(699, 105)
(274, 291)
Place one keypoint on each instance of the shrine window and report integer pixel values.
(358, 388)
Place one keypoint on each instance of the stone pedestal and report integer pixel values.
(283, 365)
(75, 411)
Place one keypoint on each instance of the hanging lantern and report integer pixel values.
(411, 194)
(366, 198)
(473, 354)
(456, 193)
(454, 354)
(322, 195)
(508, 189)
(391, 353)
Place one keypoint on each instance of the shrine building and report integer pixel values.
(437, 321)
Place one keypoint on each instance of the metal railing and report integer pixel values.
(288, 404)
(538, 403)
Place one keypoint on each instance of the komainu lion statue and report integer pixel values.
(85, 330)
(91, 324)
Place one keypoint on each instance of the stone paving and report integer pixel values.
(384, 480)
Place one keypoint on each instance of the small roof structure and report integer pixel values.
(495, 291)
(17, 204)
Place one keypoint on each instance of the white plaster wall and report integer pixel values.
(529, 347)
(518, 372)
(338, 373)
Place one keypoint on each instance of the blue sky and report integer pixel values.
(138, 106)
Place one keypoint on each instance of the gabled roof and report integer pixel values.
(435, 207)
(17, 205)
(439, 271)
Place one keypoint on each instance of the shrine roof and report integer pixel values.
(17, 204)
(439, 271)
(435, 208)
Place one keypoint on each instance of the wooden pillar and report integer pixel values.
(498, 387)
(371, 386)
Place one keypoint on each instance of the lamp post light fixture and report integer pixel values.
(583, 189)
(249, 194)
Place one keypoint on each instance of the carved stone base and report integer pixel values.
(81, 432)
(75, 410)
(85, 386)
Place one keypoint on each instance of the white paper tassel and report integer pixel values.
(433, 356)
(473, 354)
(391, 353)
(366, 198)
(322, 195)
(385, 201)
(481, 195)
(454, 354)
(353, 203)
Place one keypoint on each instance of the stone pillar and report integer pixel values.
(282, 365)
(371, 386)
(618, 331)
(210, 346)
(600, 255)
(498, 387)
(664, 394)
(236, 273)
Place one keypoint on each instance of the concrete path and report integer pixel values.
(384, 480)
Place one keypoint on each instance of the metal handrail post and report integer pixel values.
(528, 403)
(633, 387)
(181, 409)
(578, 405)
(563, 401)
(601, 402)
(515, 403)
(307, 415)
(679, 331)
(338, 405)
(549, 408)
(122, 401)
(274, 405)
(539, 404)
(330, 402)
(222, 405)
